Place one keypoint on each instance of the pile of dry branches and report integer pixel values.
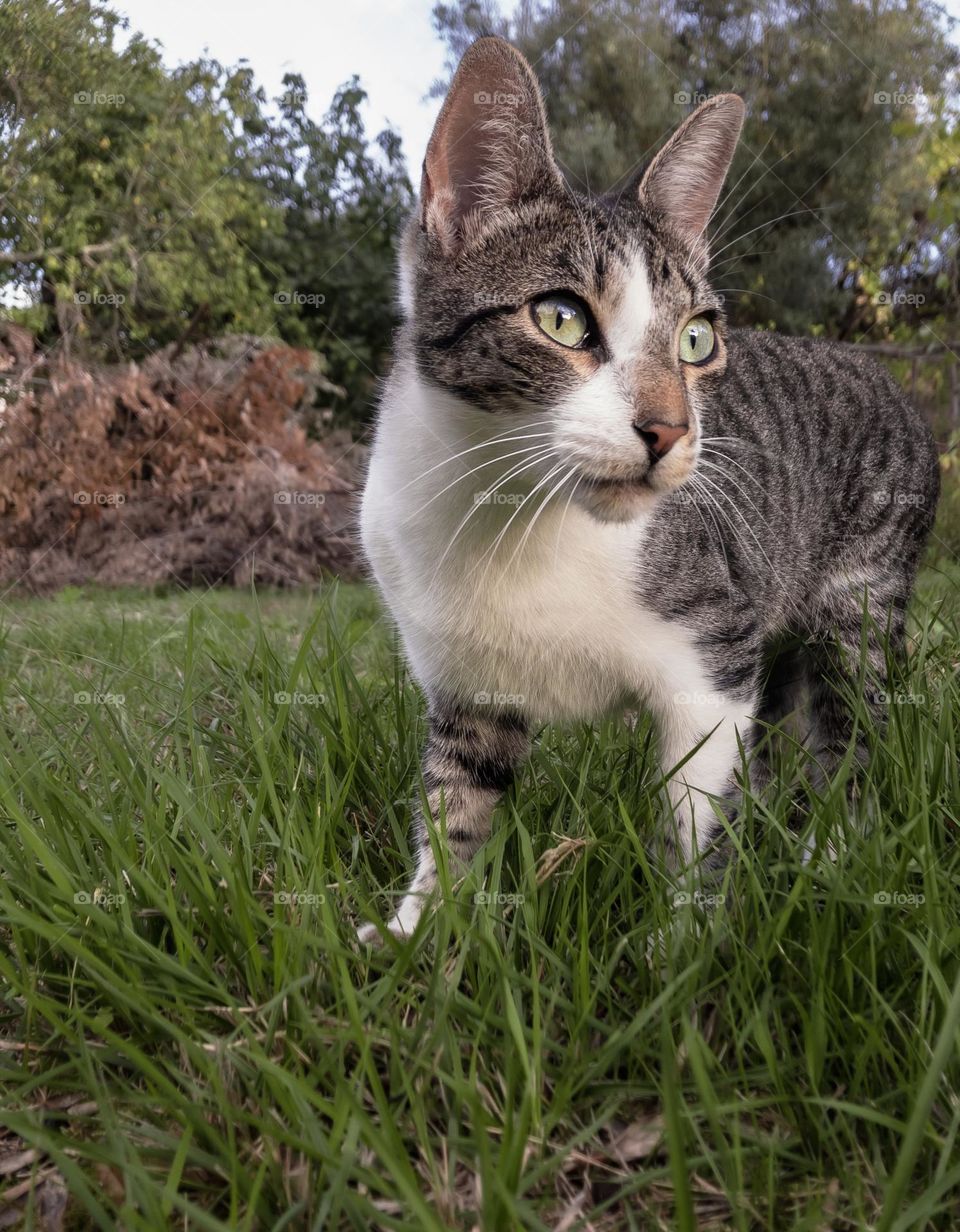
(192, 467)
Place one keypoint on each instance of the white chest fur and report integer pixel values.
(553, 626)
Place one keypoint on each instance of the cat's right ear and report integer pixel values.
(490, 147)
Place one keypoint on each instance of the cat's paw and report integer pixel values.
(402, 925)
(372, 934)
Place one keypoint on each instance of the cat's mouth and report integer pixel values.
(622, 497)
(606, 483)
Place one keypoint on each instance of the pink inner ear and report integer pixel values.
(490, 143)
(454, 161)
(684, 181)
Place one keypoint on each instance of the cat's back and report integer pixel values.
(817, 392)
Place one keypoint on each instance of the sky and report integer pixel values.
(390, 44)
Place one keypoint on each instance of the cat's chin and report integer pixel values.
(626, 499)
(616, 501)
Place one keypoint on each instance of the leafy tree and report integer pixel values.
(141, 205)
(343, 207)
(124, 197)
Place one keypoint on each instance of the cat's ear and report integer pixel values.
(490, 147)
(683, 182)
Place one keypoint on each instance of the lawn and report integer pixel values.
(202, 793)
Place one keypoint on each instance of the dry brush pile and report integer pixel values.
(193, 467)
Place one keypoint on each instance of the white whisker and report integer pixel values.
(492, 550)
(506, 438)
(518, 550)
(730, 479)
(514, 471)
(746, 525)
(694, 483)
(770, 223)
(563, 517)
(491, 462)
(736, 440)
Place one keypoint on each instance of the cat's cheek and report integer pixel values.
(594, 429)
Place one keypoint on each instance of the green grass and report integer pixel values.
(190, 1036)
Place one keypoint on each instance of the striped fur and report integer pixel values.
(468, 762)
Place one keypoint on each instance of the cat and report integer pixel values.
(586, 491)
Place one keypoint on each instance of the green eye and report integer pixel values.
(561, 319)
(696, 341)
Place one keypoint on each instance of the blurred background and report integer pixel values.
(200, 207)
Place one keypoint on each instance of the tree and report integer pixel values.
(124, 197)
(141, 205)
(343, 205)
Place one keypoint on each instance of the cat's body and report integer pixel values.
(558, 535)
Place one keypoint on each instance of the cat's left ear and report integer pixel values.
(683, 182)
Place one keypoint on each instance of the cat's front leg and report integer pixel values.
(714, 722)
(469, 760)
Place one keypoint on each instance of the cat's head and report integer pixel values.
(589, 316)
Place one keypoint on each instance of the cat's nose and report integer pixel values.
(660, 437)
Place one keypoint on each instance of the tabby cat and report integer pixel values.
(587, 492)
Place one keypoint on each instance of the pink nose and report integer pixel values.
(660, 437)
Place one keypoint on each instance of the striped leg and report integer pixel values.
(468, 762)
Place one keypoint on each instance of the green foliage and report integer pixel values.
(343, 207)
(141, 204)
(123, 209)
